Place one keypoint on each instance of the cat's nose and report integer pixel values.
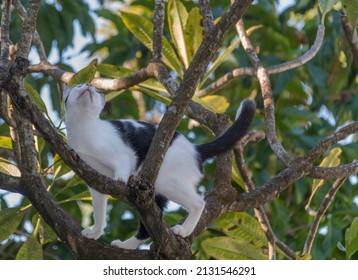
(89, 85)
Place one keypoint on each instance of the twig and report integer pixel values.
(250, 186)
(328, 173)
(158, 30)
(224, 80)
(329, 140)
(307, 56)
(100, 83)
(20, 9)
(249, 71)
(267, 96)
(5, 24)
(4, 110)
(320, 213)
(208, 19)
(350, 34)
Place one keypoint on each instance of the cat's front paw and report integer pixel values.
(92, 233)
(124, 244)
(180, 230)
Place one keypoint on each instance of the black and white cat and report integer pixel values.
(117, 149)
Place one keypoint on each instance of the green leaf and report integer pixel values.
(326, 6)
(85, 195)
(351, 238)
(236, 176)
(5, 142)
(9, 168)
(10, 218)
(242, 227)
(142, 29)
(332, 160)
(215, 103)
(225, 54)
(194, 32)
(351, 9)
(227, 248)
(157, 96)
(177, 18)
(60, 168)
(44, 232)
(30, 250)
(85, 75)
(114, 71)
(35, 97)
(113, 94)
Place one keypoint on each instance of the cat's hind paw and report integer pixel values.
(180, 230)
(92, 233)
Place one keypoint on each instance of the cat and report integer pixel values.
(117, 149)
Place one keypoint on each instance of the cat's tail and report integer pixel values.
(244, 117)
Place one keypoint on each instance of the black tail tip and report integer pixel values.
(247, 108)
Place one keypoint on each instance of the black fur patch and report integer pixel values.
(138, 138)
(161, 201)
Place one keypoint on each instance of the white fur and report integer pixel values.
(98, 143)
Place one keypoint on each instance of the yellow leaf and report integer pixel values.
(215, 103)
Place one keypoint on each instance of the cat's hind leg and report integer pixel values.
(142, 234)
(195, 206)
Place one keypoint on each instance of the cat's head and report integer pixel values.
(83, 99)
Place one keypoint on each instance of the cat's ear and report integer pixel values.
(66, 92)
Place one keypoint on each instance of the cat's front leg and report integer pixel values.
(99, 202)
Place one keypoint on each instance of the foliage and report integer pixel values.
(310, 102)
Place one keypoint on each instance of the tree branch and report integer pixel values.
(320, 213)
(5, 24)
(158, 30)
(267, 96)
(250, 186)
(350, 34)
(249, 71)
(330, 140)
(307, 56)
(208, 19)
(20, 9)
(28, 29)
(10, 183)
(211, 43)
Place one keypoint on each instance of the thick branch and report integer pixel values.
(5, 29)
(67, 230)
(158, 30)
(208, 19)
(28, 29)
(20, 9)
(10, 183)
(186, 90)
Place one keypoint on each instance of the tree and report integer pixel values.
(295, 64)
